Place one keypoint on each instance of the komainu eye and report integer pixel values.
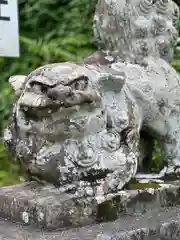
(81, 84)
(30, 114)
(44, 89)
(39, 89)
(36, 89)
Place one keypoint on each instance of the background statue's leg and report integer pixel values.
(171, 154)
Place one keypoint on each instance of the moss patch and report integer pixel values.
(134, 184)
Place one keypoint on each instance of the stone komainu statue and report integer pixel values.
(77, 125)
(136, 29)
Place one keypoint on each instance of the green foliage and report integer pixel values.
(177, 2)
(50, 31)
(9, 173)
(176, 62)
(157, 162)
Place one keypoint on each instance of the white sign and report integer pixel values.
(9, 30)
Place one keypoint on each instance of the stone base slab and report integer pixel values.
(163, 224)
(46, 207)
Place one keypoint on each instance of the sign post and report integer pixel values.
(9, 30)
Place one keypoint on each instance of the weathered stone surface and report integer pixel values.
(92, 148)
(78, 125)
(165, 231)
(47, 207)
(75, 141)
(137, 29)
(161, 224)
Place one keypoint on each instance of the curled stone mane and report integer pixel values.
(136, 28)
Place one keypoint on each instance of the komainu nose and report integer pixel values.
(59, 93)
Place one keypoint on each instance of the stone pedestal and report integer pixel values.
(46, 207)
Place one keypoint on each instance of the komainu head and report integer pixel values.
(137, 28)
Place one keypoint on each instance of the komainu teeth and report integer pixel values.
(162, 6)
(145, 6)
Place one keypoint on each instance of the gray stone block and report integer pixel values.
(161, 224)
(47, 207)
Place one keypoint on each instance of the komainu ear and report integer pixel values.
(17, 83)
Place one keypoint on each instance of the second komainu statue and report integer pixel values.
(78, 125)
